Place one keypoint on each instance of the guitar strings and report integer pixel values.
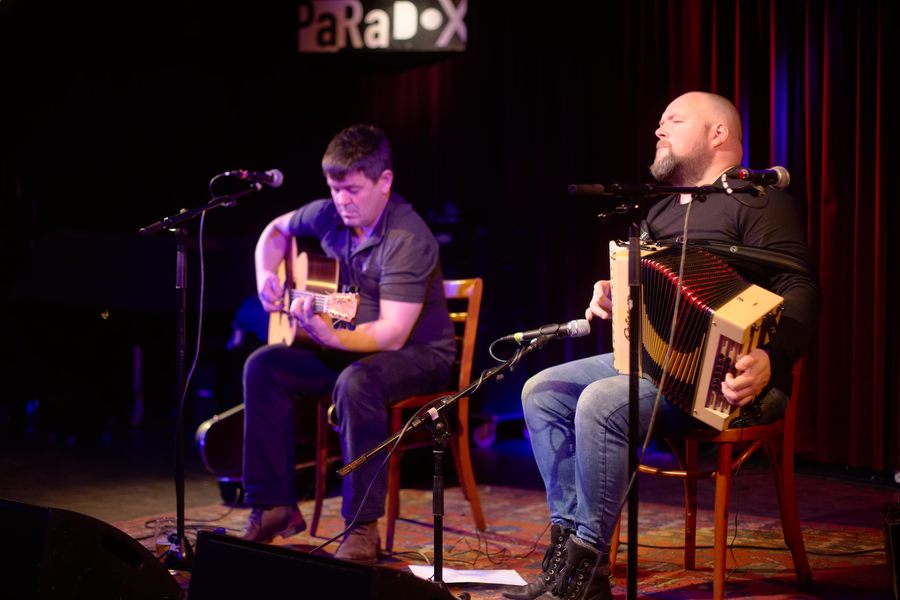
(321, 300)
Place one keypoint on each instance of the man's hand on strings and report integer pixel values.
(320, 330)
(270, 292)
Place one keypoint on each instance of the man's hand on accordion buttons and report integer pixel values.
(753, 371)
(601, 301)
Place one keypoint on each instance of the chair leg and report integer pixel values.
(720, 531)
(614, 544)
(690, 507)
(321, 467)
(393, 485)
(454, 447)
(454, 450)
(783, 472)
(775, 463)
(463, 457)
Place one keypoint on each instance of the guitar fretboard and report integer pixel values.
(320, 301)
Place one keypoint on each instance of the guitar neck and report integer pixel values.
(319, 300)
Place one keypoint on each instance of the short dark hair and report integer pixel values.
(362, 148)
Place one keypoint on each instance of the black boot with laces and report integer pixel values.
(584, 576)
(554, 558)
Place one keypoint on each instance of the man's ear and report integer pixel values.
(719, 134)
(385, 181)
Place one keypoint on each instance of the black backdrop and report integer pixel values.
(119, 116)
(115, 115)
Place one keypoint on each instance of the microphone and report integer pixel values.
(776, 176)
(272, 178)
(574, 328)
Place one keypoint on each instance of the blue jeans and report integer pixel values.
(577, 416)
(362, 387)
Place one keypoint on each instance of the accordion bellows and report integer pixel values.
(720, 317)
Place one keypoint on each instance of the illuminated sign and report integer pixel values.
(403, 25)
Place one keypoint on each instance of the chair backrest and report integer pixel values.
(464, 302)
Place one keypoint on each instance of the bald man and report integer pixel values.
(577, 412)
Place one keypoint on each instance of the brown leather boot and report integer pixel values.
(266, 522)
(360, 544)
(554, 558)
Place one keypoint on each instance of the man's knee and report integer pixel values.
(357, 383)
(258, 365)
(603, 403)
(528, 389)
(542, 391)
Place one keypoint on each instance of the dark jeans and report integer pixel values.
(362, 387)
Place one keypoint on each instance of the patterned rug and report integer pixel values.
(847, 559)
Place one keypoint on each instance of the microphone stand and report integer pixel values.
(635, 194)
(634, 349)
(432, 416)
(180, 555)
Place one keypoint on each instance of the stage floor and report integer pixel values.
(129, 483)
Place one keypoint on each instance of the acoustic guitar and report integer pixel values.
(220, 439)
(305, 274)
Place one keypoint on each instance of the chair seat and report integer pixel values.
(422, 400)
(754, 436)
(733, 436)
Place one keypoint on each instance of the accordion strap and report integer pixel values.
(749, 255)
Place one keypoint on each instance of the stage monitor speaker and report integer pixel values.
(227, 567)
(891, 517)
(56, 553)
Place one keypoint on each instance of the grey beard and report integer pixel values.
(678, 170)
(662, 168)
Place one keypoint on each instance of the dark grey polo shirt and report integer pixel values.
(399, 261)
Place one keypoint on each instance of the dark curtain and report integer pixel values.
(117, 116)
(809, 78)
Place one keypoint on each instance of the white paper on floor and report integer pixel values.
(497, 576)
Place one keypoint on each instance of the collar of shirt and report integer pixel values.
(378, 231)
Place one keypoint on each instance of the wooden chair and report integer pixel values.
(778, 440)
(457, 291)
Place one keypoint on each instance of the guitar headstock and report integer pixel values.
(342, 306)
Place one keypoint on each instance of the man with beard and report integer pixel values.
(577, 413)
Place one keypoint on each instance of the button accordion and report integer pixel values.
(720, 316)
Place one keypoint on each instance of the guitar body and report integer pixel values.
(306, 272)
(220, 440)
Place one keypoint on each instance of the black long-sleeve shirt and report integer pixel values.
(772, 222)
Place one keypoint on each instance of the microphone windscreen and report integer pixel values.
(277, 178)
(579, 328)
(784, 178)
